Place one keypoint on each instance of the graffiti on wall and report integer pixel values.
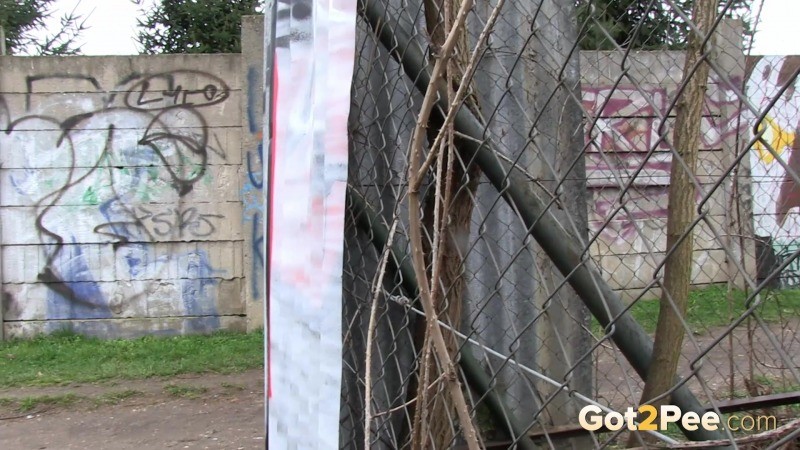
(627, 135)
(253, 190)
(776, 195)
(625, 128)
(102, 185)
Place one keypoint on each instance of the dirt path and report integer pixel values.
(226, 411)
(186, 412)
(619, 386)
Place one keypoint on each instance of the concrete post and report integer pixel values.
(252, 69)
(739, 210)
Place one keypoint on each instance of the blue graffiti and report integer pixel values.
(255, 128)
(252, 82)
(198, 280)
(258, 255)
(257, 181)
(136, 260)
(197, 291)
(252, 192)
(109, 150)
(80, 296)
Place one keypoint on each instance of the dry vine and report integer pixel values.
(451, 210)
(373, 322)
(433, 332)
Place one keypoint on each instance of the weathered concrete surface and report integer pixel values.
(121, 194)
(629, 114)
(252, 177)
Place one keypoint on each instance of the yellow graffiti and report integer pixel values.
(776, 137)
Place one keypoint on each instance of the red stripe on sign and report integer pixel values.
(271, 212)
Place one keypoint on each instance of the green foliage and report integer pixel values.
(67, 358)
(642, 24)
(194, 26)
(20, 19)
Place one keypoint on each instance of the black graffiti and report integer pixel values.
(172, 140)
(147, 224)
(164, 90)
(195, 140)
(187, 156)
(30, 82)
(66, 291)
(180, 223)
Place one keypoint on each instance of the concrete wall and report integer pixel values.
(121, 198)
(252, 194)
(628, 101)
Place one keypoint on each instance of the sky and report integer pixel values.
(777, 32)
(113, 24)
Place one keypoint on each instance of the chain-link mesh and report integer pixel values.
(550, 193)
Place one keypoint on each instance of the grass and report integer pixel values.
(185, 391)
(30, 403)
(708, 307)
(65, 358)
(115, 398)
(232, 386)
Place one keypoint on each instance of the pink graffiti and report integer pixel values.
(721, 117)
(623, 127)
(626, 118)
(616, 169)
(641, 204)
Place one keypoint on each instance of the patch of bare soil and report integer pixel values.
(186, 412)
(756, 361)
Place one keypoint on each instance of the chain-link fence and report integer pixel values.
(513, 167)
